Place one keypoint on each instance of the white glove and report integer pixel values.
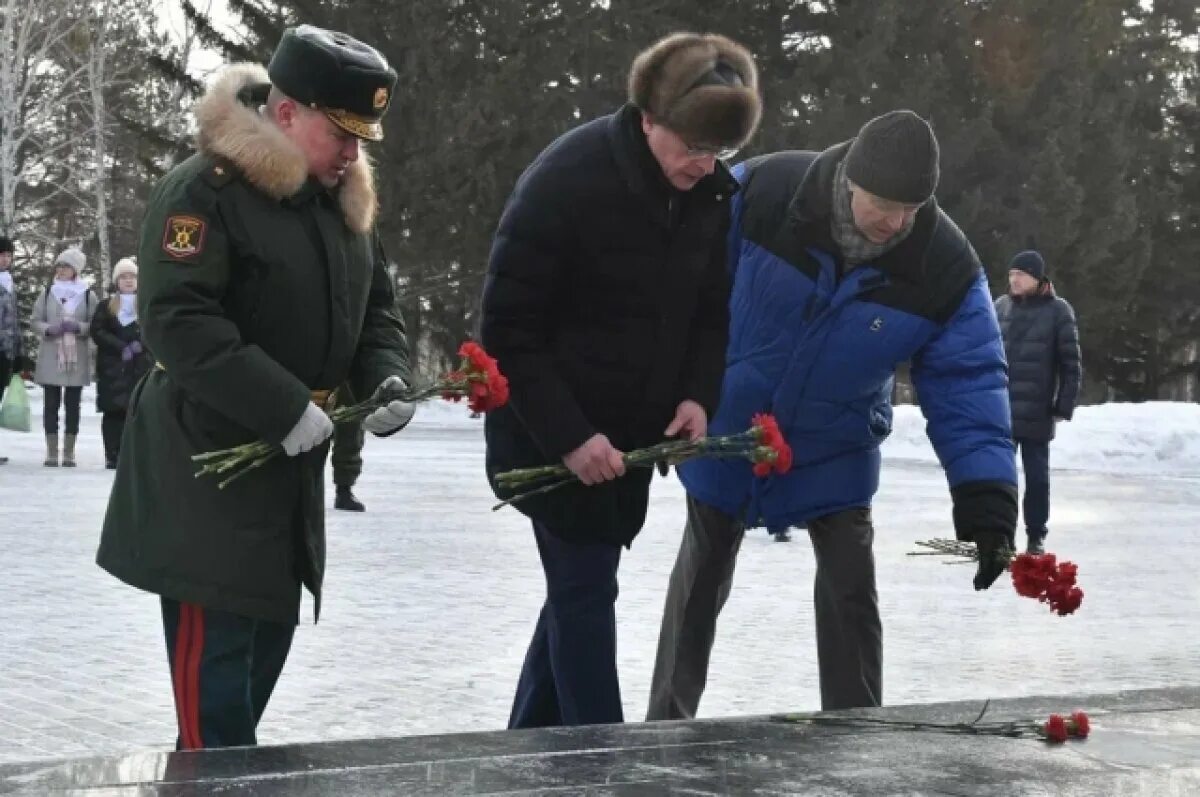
(393, 416)
(313, 428)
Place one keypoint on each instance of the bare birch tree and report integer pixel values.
(35, 85)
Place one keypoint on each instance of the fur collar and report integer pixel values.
(235, 131)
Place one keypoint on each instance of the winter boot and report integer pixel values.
(346, 500)
(68, 460)
(51, 451)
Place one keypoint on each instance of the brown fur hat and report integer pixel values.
(703, 87)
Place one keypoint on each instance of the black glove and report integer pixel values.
(994, 556)
(986, 513)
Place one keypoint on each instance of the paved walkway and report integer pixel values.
(432, 597)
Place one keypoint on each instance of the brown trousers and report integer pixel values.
(849, 635)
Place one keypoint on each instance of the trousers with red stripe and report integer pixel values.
(224, 667)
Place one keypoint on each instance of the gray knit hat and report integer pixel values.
(72, 257)
(895, 156)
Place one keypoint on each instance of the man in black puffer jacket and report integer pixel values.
(606, 305)
(1041, 342)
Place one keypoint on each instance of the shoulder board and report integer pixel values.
(219, 173)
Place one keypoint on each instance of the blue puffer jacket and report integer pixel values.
(821, 353)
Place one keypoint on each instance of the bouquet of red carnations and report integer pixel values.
(477, 379)
(763, 444)
(1038, 576)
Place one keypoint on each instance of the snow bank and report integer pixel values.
(1155, 438)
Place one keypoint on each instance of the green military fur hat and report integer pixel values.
(703, 87)
(349, 81)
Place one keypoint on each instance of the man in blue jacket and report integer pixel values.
(843, 268)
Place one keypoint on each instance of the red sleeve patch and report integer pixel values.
(183, 237)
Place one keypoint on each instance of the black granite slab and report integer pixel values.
(1142, 742)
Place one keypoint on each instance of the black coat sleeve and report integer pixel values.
(704, 366)
(1070, 368)
(525, 279)
(383, 348)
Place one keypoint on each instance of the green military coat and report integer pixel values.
(257, 287)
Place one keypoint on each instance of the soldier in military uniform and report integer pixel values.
(348, 441)
(264, 288)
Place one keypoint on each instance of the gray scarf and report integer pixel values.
(855, 247)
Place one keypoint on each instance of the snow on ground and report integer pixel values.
(1157, 438)
(431, 596)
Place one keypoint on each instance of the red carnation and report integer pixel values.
(1055, 728)
(1080, 725)
(1068, 603)
(767, 430)
(486, 387)
(1030, 577)
(783, 458)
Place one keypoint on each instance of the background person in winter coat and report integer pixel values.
(121, 356)
(1041, 341)
(263, 287)
(346, 458)
(10, 322)
(62, 319)
(606, 305)
(844, 267)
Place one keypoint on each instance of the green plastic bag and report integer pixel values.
(14, 412)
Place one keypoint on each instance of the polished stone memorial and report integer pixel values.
(1144, 742)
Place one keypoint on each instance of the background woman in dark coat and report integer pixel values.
(121, 357)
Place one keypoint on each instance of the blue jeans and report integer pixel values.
(570, 672)
(1035, 507)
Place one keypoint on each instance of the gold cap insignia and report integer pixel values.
(355, 125)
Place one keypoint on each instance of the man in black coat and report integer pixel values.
(606, 304)
(1041, 342)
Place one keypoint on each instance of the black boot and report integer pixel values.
(346, 500)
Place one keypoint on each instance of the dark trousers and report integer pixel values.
(570, 672)
(348, 439)
(112, 426)
(53, 399)
(224, 668)
(849, 633)
(1035, 459)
